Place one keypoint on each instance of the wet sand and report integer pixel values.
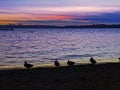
(78, 77)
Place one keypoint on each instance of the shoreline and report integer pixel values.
(62, 27)
(62, 64)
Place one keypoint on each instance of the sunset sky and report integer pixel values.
(60, 12)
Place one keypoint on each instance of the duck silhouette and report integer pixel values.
(70, 63)
(27, 65)
(119, 59)
(56, 63)
(92, 60)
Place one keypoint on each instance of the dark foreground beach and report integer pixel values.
(79, 77)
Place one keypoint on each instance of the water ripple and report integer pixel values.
(45, 45)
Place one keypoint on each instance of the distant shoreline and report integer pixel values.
(55, 26)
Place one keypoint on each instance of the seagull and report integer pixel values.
(27, 65)
(70, 63)
(56, 63)
(92, 61)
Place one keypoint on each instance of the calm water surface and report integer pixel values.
(41, 46)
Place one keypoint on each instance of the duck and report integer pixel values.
(93, 61)
(27, 65)
(70, 63)
(119, 59)
(56, 63)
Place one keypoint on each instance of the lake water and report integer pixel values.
(43, 46)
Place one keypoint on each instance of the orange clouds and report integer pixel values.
(50, 17)
(9, 18)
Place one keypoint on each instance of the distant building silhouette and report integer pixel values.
(10, 26)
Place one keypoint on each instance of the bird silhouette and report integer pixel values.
(92, 61)
(119, 59)
(70, 63)
(27, 65)
(56, 63)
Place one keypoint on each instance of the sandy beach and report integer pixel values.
(78, 77)
(59, 45)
